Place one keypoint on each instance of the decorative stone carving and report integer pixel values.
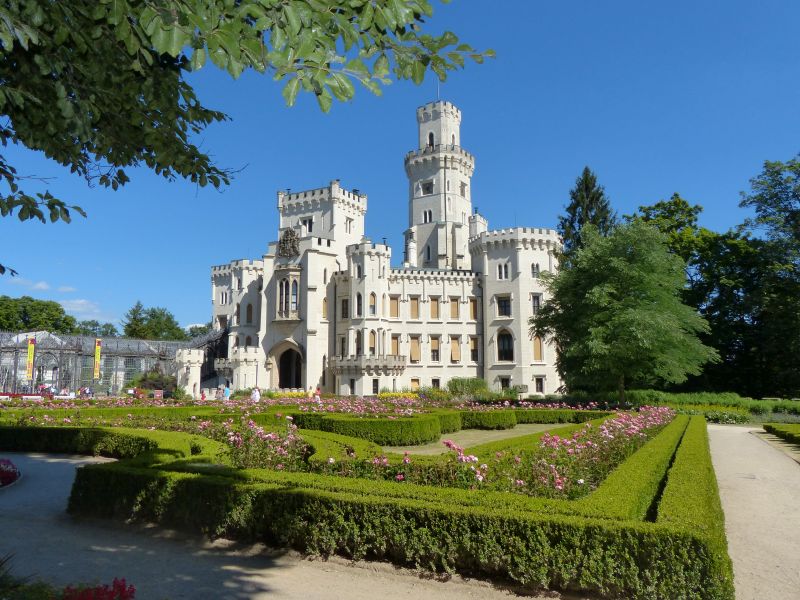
(288, 245)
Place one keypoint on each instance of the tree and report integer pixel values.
(95, 328)
(152, 324)
(616, 316)
(199, 330)
(30, 314)
(99, 86)
(134, 325)
(588, 205)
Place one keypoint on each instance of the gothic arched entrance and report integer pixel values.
(290, 368)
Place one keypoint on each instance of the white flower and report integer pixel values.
(580, 481)
(331, 460)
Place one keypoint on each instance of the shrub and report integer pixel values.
(385, 431)
(449, 420)
(489, 419)
(786, 431)
(467, 386)
(73, 440)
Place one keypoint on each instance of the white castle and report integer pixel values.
(324, 307)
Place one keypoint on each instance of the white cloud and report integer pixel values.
(27, 283)
(83, 309)
(40, 285)
(66, 289)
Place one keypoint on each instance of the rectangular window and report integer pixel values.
(414, 385)
(345, 308)
(434, 308)
(455, 348)
(503, 306)
(415, 352)
(538, 349)
(435, 349)
(473, 309)
(308, 225)
(427, 187)
(505, 382)
(348, 225)
(395, 345)
(353, 387)
(536, 300)
(435, 383)
(473, 349)
(414, 307)
(394, 307)
(540, 385)
(454, 308)
(375, 386)
(343, 346)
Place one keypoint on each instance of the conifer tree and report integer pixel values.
(588, 205)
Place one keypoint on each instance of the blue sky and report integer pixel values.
(656, 98)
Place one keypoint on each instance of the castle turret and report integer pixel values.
(439, 176)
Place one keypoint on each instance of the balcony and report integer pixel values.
(389, 364)
(287, 316)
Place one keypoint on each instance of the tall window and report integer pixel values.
(434, 308)
(539, 385)
(395, 345)
(284, 296)
(536, 301)
(455, 348)
(249, 313)
(505, 346)
(430, 139)
(373, 342)
(324, 308)
(535, 270)
(359, 272)
(454, 308)
(308, 225)
(394, 307)
(414, 307)
(473, 309)
(343, 346)
(473, 349)
(248, 341)
(503, 306)
(359, 305)
(434, 349)
(359, 343)
(324, 275)
(538, 349)
(427, 253)
(373, 305)
(502, 271)
(348, 225)
(238, 314)
(415, 349)
(345, 308)
(294, 296)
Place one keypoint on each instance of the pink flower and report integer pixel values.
(399, 477)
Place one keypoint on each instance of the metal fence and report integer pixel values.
(66, 362)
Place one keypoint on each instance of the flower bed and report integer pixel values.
(9, 473)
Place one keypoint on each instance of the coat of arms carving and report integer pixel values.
(288, 245)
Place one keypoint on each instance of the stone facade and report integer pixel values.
(325, 307)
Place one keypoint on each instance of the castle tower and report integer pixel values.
(439, 190)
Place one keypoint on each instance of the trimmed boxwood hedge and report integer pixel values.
(489, 534)
(74, 440)
(786, 431)
(489, 419)
(400, 431)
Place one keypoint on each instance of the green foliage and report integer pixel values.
(690, 501)
(588, 205)
(402, 431)
(199, 330)
(97, 329)
(152, 324)
(449, 420)
(467, 386)
(489, 419)
(616, 314)
(154, 380)
(339, 447)
(788, 432)
(29, 314)
(73, 440)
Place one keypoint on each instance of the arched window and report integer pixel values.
(453, 139)
(359, 305)
(373, 342)
(373, 305)
(283, 296)
(535, 270)
(248, 341)
(505, 271)
(385, 306)
(430, 139)
(358, 271)
(294, 296)
(538, 349)
(238, 314)
(324, 275)
(505, 346)
(359, 348)
(499, 271)
(249, 313)
(324, 308)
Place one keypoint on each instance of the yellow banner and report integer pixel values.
(98, 344)
(29, 364)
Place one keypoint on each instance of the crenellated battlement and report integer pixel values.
(524, 236)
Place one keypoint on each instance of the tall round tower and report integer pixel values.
(439, 188)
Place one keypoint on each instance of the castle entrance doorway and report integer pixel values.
(290, 368)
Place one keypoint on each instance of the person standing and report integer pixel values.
(226, 393)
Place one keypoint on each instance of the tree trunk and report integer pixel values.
(622, 390)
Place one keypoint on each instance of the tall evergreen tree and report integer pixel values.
(588, 205)
(135, 322)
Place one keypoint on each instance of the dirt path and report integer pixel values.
(760, 490)
(472, 437)
(49, 544)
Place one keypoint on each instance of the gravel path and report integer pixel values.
(48, 543)
(760, 490)
(472, 437)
